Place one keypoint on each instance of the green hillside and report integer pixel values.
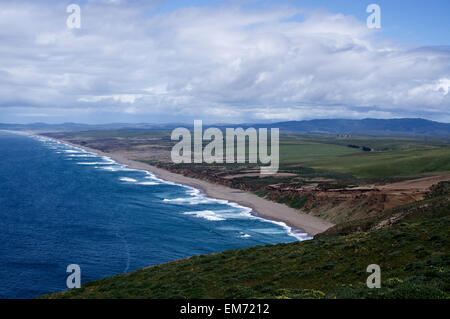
(413, 162)
(413, 253)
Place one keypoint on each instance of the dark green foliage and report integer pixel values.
(438, 206)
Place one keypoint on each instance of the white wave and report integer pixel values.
(246, 211)
(291, 231)
(93, 163)
(108, 159)
(119, 168)
(206, 214)
(193, 191)
(233, 214)
(81, 155)
(193, 200)
(150, 175)
(114, 168)
(148, 183)
(196, 198)
(127, 179)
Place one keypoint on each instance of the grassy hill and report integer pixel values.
(388, 158)
(410, 243)
(390, 163)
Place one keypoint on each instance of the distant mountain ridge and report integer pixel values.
(379, 127)
(404, 126)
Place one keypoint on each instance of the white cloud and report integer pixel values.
(221, 64)
(122, 98)
(441, 87)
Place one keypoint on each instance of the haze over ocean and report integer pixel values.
(61, 205)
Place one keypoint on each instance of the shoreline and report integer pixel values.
(260, 207)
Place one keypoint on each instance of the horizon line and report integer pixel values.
(221, 124)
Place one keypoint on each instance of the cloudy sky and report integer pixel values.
(223, 61)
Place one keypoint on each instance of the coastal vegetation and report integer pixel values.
(413, 252)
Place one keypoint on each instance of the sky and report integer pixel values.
(223, 61)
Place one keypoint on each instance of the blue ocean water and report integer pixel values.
(61, 205)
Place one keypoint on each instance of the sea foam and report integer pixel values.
(127, 179)
(206, 214)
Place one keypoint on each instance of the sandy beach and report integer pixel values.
(262, 207)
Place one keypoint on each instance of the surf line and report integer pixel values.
(297, 234)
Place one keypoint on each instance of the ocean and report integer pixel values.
(61, 205)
